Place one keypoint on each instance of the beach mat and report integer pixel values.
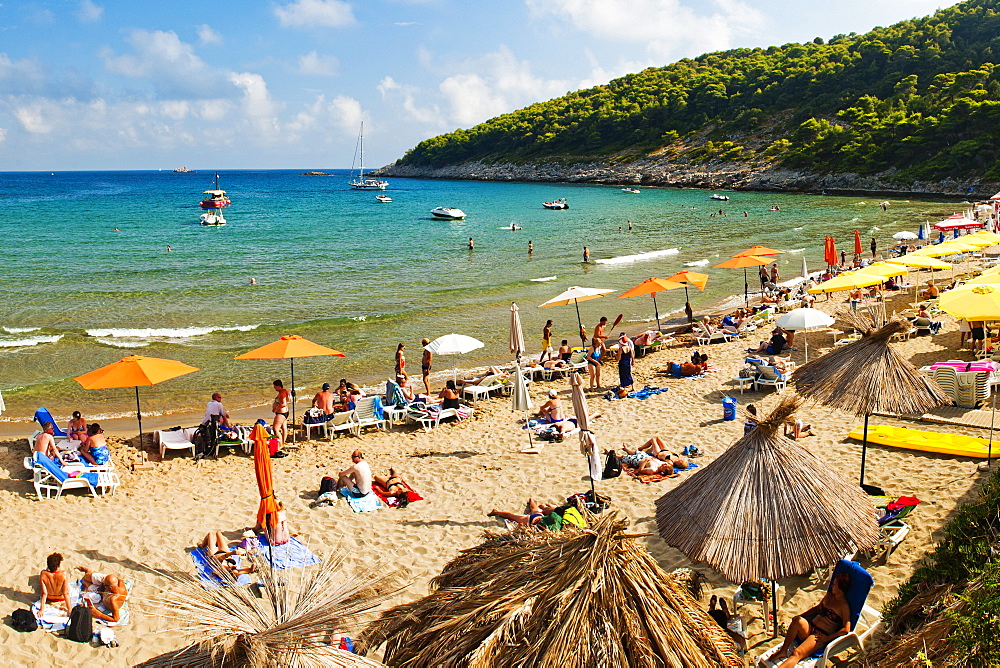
(292, 554)
(391, 501)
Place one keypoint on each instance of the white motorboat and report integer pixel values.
(633, 191)
(721, 198)
(448, 213)
(556, 204)
(383, 198)
(213, 218)
(360, 182)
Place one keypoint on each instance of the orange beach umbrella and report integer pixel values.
(688, 278)
(650, 287)
(133, 371)
(742, 262)
(268, 510)
(288, 348)
(758, 251)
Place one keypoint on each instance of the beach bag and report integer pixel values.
(612, 466)
(327, 484)
(23, 621)
(273, 445)
(553, 521)
(81, 624)
(314, 416)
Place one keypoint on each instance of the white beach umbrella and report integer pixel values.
(453, 344)
(516, 333)
(805, 269)
(803, 320)
(574, 296)
(904, 235)
(588, 442)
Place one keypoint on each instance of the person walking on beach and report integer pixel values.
(762, 272)
(546, 341)
(400, 362)
(586, 254)
(280, 408)
(626, 352)
(472, 244)
(425, 365)
(600, 336)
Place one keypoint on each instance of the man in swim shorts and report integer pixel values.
(356, 479)
(425, 364)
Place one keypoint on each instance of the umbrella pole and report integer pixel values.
(687, 305)
(774, 606)
(291, 430)
(579, 322)
(864, 450)
(746, 288)
(656, 311)
(805, 337)
(138, 415)
(989, 450)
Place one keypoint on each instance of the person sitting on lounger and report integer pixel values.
(404, 387)
(795, 429)
(535, 513)
(356, 479)
(77, 429)
(95, 448)
(932, 291)
(816, 627)
(214, 409)
(565, 351)
(216, 547)
(110, 593)
(45, 443)
(54, 584)
(324, 401)
(449, 396)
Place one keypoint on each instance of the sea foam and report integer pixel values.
(30, 341)
(123, 344)
(696, 263)
(20, 330)
(165, 332)
(543, 279)
(639, 257)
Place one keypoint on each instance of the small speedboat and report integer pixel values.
(556, 204)
(213, 218)
(448, 213)
(721, 198)
(383, 198)
(634, 191)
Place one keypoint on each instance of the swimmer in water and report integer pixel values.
(253, 281)
(472, 244)
(169, 249)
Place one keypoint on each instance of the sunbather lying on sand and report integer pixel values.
(393, 485)
(216, 547)
(535, 513)
(659, 460)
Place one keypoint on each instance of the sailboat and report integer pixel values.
(216, 199)
(360, 182)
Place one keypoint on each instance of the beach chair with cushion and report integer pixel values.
(368, 413)
(49, 477)
(345, 421)
(865, 620)
(174, 439)
(484, 387)
(42, 415)
(703, 338)
(313, 418)
(394, 405)
(770, 377)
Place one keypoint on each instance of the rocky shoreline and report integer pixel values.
(717, 175)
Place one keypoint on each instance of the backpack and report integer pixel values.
(612, 466)
(81, 624)
(328, 484)
(23, 620)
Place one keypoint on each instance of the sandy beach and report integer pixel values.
(463, 470)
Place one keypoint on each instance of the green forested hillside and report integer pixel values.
(922, 96)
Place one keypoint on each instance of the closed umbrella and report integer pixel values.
(805, 269)
(516, 333)
(689, 278)
(289, 347)
(267, 512)
(588, 442)
(134, 371)
(830, 252)
(574, 296)
(742, 262)
(921, 231)
(453, 344)
(650, 287)
(805, 319)
(857, 244)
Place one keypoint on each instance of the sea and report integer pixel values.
(100, 265)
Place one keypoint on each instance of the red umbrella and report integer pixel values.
(857, 243)
(830, 254)
(268, 510)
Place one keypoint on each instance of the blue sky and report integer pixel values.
(86, 84)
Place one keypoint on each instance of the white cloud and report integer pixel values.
(206, 35)
(315, 64)
(259, 108)
(88, 12)
(33, 119)
(346, 113)
(3, 135)
(315, 13)
(390, 89)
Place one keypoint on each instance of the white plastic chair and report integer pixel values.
(770, 377)
(345, 421)
(178, 439)
(364, 414)
(484, 387)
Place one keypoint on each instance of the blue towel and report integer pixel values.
(363, 504)
(379, 411)
(691, 465)
(292, 554)
(207, 575)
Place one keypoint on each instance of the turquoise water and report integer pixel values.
(343, 270)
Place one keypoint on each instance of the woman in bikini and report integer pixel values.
(400, 361)
(393, 486)
(449, 396)
(535, 513)
(280, 409)
(216, 547)
(815, 628)
(55, 586)
(77, 430)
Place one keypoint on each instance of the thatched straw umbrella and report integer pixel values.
(766, 508)
(869, 376)
(581, 597)
(289, 623)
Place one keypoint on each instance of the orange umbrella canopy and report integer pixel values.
(651, 286)
(690, 278)
(265, 480)
(760, 250)
(133, 371)
(741, 262)
(289, 347)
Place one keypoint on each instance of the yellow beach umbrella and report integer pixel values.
(972, 240)
(920, 262)
(933, 251)
(988, 236)
(883, 269)
(985, 279)
(973, 303)
(958, 246)
(847, 282)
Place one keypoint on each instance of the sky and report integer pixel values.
(286, 84)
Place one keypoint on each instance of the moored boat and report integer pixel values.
(448, 213)
(721, 198)
(383, 198)
(556, 204)
(360, 182)
(212, 218)
(216, 199)
(633, 191)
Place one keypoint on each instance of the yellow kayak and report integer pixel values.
(927, 441)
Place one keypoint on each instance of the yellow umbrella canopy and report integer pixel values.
(134, 371)
(920, 262)
(972, 303)
(933, 251)
(958, 246)
(972, 240)
(847, 282)
(987, 236)
(883, 269)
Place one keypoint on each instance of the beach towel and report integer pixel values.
(364, 504)
(56, 619)
(207, 575)
(292, 554)
(644, 393)
(391, 501)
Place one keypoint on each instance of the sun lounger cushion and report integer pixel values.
(62, 476)
(42, 415)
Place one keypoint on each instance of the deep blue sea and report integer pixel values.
(87, 277)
